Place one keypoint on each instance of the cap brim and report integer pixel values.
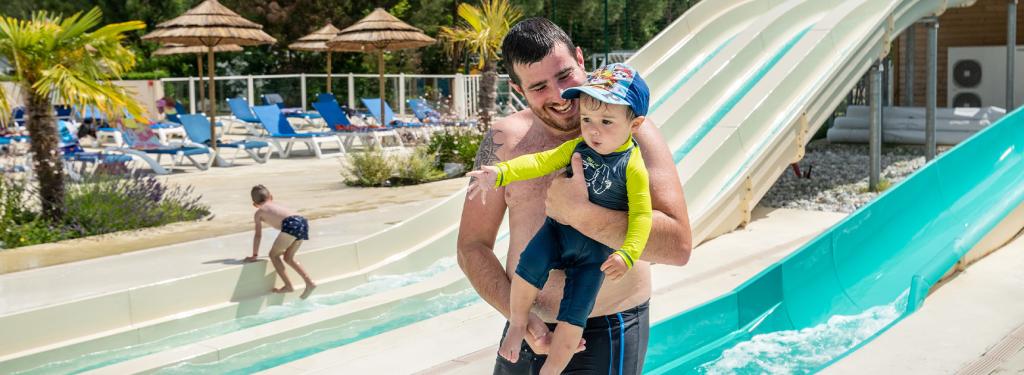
(602, 95)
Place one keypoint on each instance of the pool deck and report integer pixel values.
(465, 341)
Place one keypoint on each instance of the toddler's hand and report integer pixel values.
(614, 267)
(482, 179)
(249, 259)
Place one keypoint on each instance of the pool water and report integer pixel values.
(375, 284)
(277, 353)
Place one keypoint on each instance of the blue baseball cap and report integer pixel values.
(615, 84)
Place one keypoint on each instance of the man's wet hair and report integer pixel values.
(529, 41)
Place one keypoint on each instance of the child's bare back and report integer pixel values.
(273, 214)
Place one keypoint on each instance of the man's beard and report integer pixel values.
(565, 126)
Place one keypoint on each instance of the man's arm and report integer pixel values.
(477, 232)
(670, 238)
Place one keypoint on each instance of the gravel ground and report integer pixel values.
(839, 176)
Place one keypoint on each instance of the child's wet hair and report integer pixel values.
(594, 105)
(260, 194)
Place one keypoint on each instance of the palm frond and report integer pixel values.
(5, 108)
(483, 29)
(60, 58)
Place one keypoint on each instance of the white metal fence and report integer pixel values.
(455, 94)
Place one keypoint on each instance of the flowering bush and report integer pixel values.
(455, 146)
(101, 204)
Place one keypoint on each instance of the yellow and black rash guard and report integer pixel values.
(616, 181)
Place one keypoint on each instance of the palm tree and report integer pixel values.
(57, 59)
(481, 34)
(5, 109)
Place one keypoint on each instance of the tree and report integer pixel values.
(59, 59)
(481, 34)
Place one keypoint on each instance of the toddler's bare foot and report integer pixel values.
(283, 289)
(310, 285)
(512, 343)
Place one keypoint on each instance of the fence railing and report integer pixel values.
(455, 94)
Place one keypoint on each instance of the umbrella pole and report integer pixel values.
(380, 69)
(329, 53)
(212, 97)
(202, 94)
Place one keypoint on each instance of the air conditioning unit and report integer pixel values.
(976, 76)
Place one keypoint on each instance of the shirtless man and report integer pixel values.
(542, 62)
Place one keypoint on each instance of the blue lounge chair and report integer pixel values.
(276, 99)
(165, 130)
(337, 119)
(280, 131)
(18, 115)
(243, 113)
(87, 162)
(90, 114)
(415, 130)
(197, 127)
(63, 112)
(326, 97)
(428, 115)
(177, 152)
(373, 105)
(179, 109)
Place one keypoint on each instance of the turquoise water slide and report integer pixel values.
(870, 270)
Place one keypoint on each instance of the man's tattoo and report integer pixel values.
(487, 154)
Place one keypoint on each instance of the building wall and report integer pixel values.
(983, 24)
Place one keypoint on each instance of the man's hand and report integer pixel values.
(614, 267)
(566, 195)
(483, 178)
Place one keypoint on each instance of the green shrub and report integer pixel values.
(455, 146)
(13, 202)
(19, 226)
(368, 168)
(33, 232)
(417, 168)
(105, 204)
(101, 204)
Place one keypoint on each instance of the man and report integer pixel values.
(542, 61)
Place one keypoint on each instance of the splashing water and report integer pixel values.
(806, 350)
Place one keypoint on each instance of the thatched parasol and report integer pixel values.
(379, 32)
(210, 24)
(317, 42)
(180, 49)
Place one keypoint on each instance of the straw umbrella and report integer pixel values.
(317, 42)
(379, 32)
(210, 24)
(181, 49)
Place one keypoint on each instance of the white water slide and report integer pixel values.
(736, 88)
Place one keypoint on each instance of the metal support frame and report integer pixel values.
(875, 125)
(931, 89)
(1011, 51)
